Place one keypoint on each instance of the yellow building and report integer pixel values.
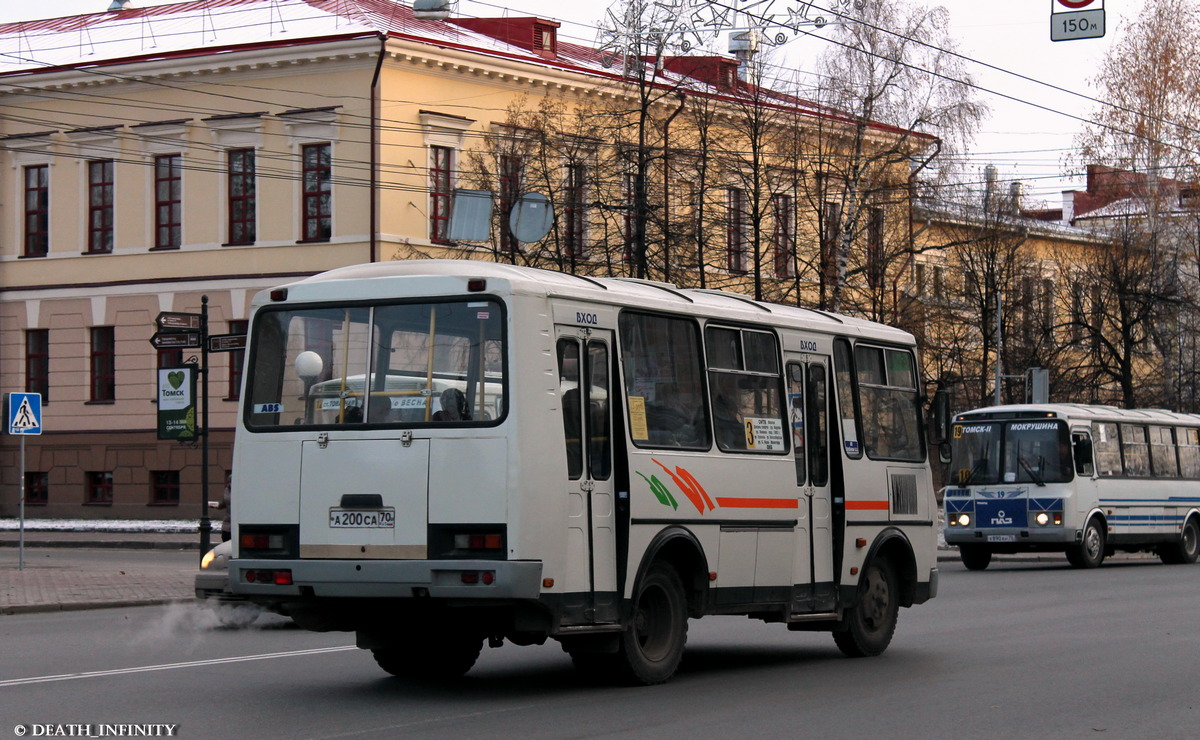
(159, 156)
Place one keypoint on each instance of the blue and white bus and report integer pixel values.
(1083, 480)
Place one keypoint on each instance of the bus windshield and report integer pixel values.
(1016, 451)
(396, 364)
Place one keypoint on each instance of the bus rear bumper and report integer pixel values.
(387, 579)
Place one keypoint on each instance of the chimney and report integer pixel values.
(1068, 205)
(1016, 192)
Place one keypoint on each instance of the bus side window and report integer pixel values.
(1082, 444)
(844, 375)
(818, 428)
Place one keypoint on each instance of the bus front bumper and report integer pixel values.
(388, 579)
(1000, 539)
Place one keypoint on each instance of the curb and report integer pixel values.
(86, 606)
(106, 544)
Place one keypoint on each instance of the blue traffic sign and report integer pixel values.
(24, 413)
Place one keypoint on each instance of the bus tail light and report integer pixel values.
(487, 577)
(276, 577)
(478, 541)
(262, 541)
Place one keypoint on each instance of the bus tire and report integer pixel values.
(1185, 549)
(440, 657)
(975, 557)
(870, 623)
(1089, 553)
(653, 642)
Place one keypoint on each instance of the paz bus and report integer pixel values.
(435, 454)
(1083, 480)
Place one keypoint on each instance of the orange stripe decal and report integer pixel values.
(758, 503)
(867, 505)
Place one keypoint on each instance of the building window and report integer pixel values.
(441, 184)
(37, 362)
(317, 207)
(574, 211)
(170, 358)
(630, 214)
(103, 364)
(100, 206)
(783, 238)
(510, 191)
(236, 359)
(242, 211)
(37, 210)
(168, 203)
(735, 226)
(875, 256)
(831, 234)
(99, 488)
(37, 488)
(164, 487)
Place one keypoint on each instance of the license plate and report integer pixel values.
(1001, 538)
(363, 518)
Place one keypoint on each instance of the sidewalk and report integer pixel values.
(96, 570)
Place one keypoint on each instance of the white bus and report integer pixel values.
(1084, 480)
(593, 461)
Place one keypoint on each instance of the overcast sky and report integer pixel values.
(1024, 141)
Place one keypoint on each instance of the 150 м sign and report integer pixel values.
(177, 403)
(1076, 19)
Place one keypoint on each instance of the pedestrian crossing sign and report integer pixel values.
(24, 413)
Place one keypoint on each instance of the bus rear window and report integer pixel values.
(397, 364)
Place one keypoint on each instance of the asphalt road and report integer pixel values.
(1018, 651)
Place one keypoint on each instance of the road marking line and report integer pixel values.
(170, 666)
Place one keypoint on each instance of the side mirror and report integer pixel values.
(940, 417)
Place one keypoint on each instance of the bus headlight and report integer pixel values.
(1042, 518)
(1046, 518)
(962, 520)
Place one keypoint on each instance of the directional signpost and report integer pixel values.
(24, 419)
(176, 409)
(1076, 19)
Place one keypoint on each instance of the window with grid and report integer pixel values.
(37, 362)
(37, 488)
(574, 210)
(318, 205)
(100, 206)
(103, 364)
(236, 360)
(170, 357)
(510, 191)
(783, 237)
(99, 488)
(37, 210)
(168, 203)
(164, 487)
(441, 184)
(735, 227)
(242, 193)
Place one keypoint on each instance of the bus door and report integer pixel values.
(808, 404)
(584, 365)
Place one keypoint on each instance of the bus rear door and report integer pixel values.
(808, 403)
(584, 362)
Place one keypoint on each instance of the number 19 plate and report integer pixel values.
(363, 518)
(1001, 538)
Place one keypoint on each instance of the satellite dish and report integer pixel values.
(531, 218)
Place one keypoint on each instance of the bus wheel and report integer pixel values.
(1090, 552)
(870, 623)
(1185, 549)
(438, 657)
(653, 642)
(975, 557)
